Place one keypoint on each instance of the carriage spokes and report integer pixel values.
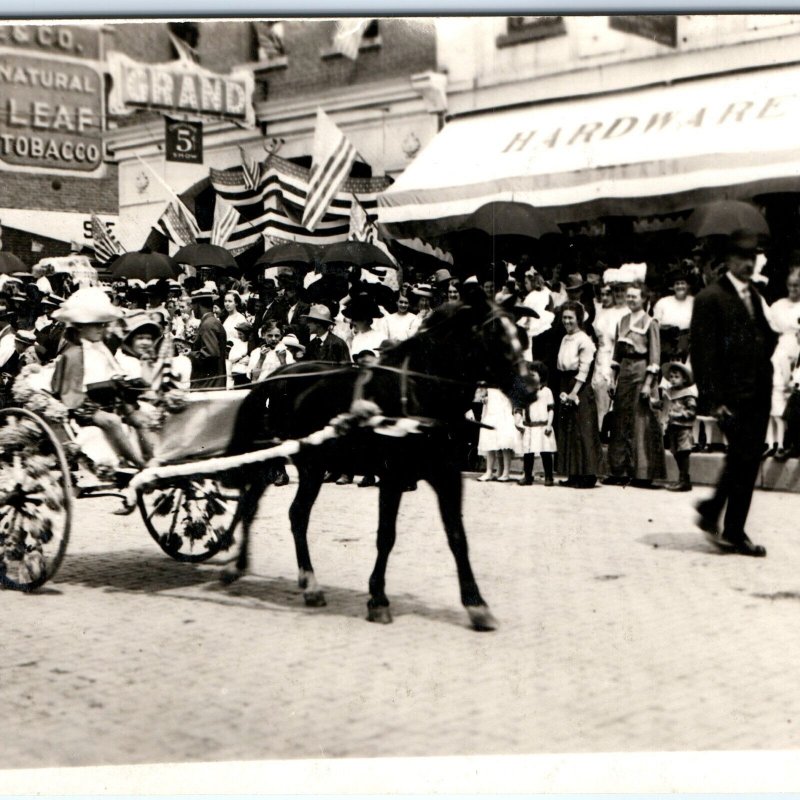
(35, 500)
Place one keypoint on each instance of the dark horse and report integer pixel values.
(431, 376)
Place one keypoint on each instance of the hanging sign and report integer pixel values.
(51, 100)
(661, 28)
(180, 88)
(184, 141)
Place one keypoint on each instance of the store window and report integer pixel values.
(520, 30)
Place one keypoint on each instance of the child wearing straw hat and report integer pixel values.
(680, 409)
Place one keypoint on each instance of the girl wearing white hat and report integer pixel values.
(86, 377)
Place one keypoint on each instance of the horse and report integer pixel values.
(431, 378)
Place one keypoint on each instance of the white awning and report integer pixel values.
(647, 151)
(65, 226)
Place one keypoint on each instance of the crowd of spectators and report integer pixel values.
(611, 355)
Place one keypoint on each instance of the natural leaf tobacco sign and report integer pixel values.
(51, 100)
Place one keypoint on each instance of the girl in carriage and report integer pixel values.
(87, 377)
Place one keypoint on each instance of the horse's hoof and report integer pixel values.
(229, 575)
(481, 618)
(379, 614)
(315, 599)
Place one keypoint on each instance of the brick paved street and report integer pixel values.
(620, 631)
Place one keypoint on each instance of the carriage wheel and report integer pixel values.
(35, 500)
(191, 520)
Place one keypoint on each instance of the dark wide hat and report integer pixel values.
(360, 308)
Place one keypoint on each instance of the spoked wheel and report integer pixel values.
(191, 520)
(35, 500)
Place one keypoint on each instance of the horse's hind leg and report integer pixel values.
(299, 514)
(447, 485)
(390, 493)
(255, 488)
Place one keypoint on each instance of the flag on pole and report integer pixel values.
(186, 216)
(348, 36)
(225, 218)
(269, 34)
(332, 159)
(174, 225)
(361, 229)
(184, 50)
(106, 245)
(251, 170)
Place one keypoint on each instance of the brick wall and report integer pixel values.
(406, 48)
(60, 193)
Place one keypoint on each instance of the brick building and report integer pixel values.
(383, 99)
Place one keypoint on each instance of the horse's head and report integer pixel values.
(498, 353)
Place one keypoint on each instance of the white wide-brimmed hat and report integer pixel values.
(88, 306)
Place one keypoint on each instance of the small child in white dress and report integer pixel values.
(535, 425)
(498, 443)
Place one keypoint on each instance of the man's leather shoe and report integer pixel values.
(741, 546)
(344, 480)
(282, 479)
(707, 521)
(330, 477)
(680, 487)
(615, 480)
(367, 480)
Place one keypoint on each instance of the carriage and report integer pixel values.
(46, 462)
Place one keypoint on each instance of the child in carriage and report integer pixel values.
(88, 377)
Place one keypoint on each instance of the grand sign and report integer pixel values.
(51, 102)
(180, 88)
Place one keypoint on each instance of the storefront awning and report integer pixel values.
(648, 151)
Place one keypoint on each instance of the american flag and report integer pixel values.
(348, 36)
(361, 229)
(225, 218)
(251, 170)
(175, 224)
(269, 34)
(275, 206)
(105, 244)
(332, 160)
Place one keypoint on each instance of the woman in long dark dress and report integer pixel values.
(578, 432)
(636, 449)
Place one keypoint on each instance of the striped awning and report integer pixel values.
(652, 150)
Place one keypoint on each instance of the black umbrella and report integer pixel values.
(725, 218)
(9, 264)
(290, 254)
(144, 266)
(360, 254)
(205, 255)
(506, 218)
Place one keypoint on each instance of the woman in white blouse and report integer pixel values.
(674, 316)
(233, 316)
(578, 432)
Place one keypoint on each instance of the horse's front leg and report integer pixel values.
(311, 476)
(256, 485)
(446, 482)
(390, 493)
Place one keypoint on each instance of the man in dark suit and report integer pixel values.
(324, 345)
(731, 346)
(208, 350)
(289, 308)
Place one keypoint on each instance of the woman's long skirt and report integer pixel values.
(578, 432)
(636, 449)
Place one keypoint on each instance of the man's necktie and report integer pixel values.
(748, 302)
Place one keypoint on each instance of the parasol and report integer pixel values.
(290, 254)
(9, 264)
(726, 218)
(360, 254)
(205, 255)
(144, 266)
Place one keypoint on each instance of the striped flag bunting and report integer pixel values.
(225, 218)
(274, 208)
(106, 245)
(331, 163)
